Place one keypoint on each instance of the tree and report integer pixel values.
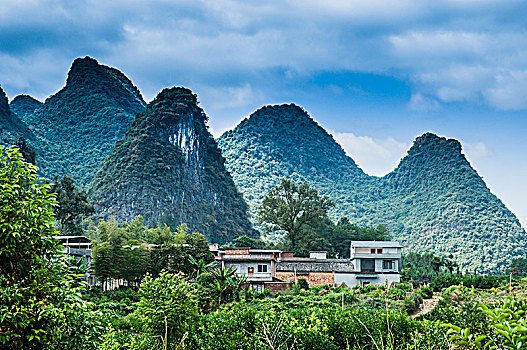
(169, 308)
(289, 208)
(40, 306)
(73, 206)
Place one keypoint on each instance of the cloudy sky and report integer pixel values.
(374, 73)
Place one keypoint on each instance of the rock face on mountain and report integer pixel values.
(78, 126)
(434, 201)
(169, 169)
(24, 105)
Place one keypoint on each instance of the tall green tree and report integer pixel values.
(40, 307)
(73, 206)
(288, 207)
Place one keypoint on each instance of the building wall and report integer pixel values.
(286, 276)
(242, 268)
(351, 279)
(312, 278)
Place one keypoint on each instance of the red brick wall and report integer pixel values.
(236, 251)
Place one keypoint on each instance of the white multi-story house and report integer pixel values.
(258, 265)
(375, 262)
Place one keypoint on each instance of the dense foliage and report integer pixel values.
(169, 169)
(288, 207)
(72, 208)
(40, 302)
(24, 105)
(433, 201)
(129, 251)
(78, 126)
(13, 130)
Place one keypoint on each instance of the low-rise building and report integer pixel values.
(317, 270)
(376, 262)
(258, 265)
(371, 262)
(79, 248)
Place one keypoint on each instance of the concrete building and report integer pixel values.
(80, 248)
(318, 270)
(376, 262)
(258, 265)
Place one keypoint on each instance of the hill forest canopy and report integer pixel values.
(434, 201)
(98, 130)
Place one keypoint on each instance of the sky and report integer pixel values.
(376, 74)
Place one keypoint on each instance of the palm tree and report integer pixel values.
(198, 267)
(222, 277)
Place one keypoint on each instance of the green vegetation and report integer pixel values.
(77, 127)
(40, 302)
(72, 206)
(129, 251)
(24, 105)
(13, 131)
(433, 201)
(169, 170)
(289, 208)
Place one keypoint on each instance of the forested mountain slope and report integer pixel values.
(434, 201)
(78, 126)
(169, 169)
(24, 105)
(11, 126)
(283, 141)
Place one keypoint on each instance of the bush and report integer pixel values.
(425, 292)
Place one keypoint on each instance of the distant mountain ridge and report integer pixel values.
(283, 141)
(24, 105)
(78, 126)
(11, 126)
(434, 201)
(169, 169)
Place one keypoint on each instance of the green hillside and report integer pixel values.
(283, 141)
(11, 126)
(24, 105)
(78, 126)
(432, 202)
(169, 169)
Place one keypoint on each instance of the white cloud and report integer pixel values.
(510, 91)
(229, 97)
(475, 150)
(419, 102)
(375, 156)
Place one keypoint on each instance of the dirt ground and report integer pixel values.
(428, 304)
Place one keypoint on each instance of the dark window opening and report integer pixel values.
(388, 264)
(262, 268)
(367, 265)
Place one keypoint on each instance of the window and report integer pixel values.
(388, 264)
(262, 268)
(367, 265)
(379, 251)
(373, 250)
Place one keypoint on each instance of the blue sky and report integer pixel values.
(374, 73)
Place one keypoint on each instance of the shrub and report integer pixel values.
(425, 292)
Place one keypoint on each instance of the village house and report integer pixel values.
(258, 265)
(371, 262)
(316, 269)
(79, 248)
(376, 262)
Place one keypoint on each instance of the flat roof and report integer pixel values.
(376, 244)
